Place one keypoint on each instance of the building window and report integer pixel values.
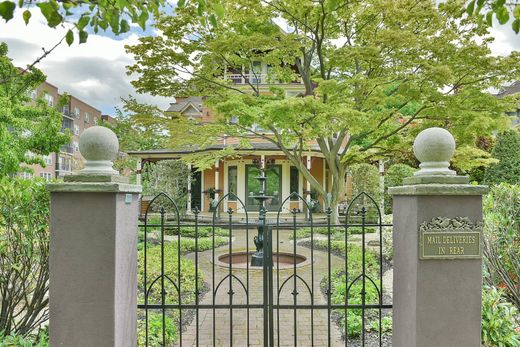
(75, 145)
(76, 129)
(95, 120)
(87, 117)
(232, 182)
(26, 175)
(30, 155)
(48, 159)
(76, 112)
(50, 99)
(294, 182)
(33, 94)
(46, 175)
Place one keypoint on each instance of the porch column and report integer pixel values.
(437, 251)
(93, 251)
(188, 200)
(138, 171)
(217, 179)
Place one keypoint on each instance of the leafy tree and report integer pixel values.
(113, 15)
(503, 10)
(507, 151)
(375, 73)
(394, 177)
(23, 127)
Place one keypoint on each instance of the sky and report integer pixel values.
(96, 70)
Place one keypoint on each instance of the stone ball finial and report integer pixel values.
(434, 148)
(99, 146)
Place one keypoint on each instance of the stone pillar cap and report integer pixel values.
(434, 148)
(99, 146)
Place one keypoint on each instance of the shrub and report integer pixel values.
(365, 179)
(24, 255)
(186, 279)
(155, 328)
(187, 274)
(507, 151)
(39, 340)
(170, 177)
(336, 232)
(498, 320)
(340, 284)
(394, 177)
(203, 231)
(502, 239)
(204, 243)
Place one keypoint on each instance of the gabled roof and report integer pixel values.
(183, 104)
(514, 88)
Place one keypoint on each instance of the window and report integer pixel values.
(95, 120)
(33, 94)
(75, 145)
(76, 112)
(76, 129)
(232, 182)
(48, 159)
(294, 182)
(50, 99)
(26, 175)
(46, 175)
(87, 117)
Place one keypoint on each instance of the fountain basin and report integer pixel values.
(281, 260)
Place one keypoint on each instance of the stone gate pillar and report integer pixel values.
(93, 251)
(437, 251)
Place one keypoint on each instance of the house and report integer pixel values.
(238, 175)
(512, 89)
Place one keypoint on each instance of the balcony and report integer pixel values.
(67, 149)
(251, 78)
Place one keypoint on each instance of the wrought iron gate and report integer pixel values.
(321, 283)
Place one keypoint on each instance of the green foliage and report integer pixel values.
(499, 319)
(339, 284)
(394, 177)
(87, 14)
(502, 239)
(171, 263)
(39, 340)
(365, 178)
(202, 231)
(23, 128)
(170, 177)
(507, 151)
(204, 243)
(338, 233)
(501, 9)
(155, 330)
(24, 255)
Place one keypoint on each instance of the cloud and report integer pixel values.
(94, 71)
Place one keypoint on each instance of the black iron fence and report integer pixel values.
(263, 283)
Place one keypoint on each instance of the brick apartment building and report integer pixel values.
(77, 116)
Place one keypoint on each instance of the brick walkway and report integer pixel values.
(284, 328)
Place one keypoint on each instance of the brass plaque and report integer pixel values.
(445, 238)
